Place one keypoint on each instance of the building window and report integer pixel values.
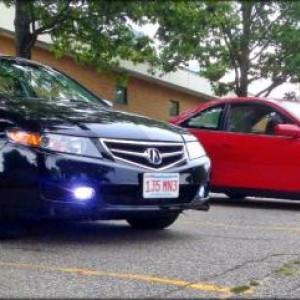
(120, 94)
(173, 108)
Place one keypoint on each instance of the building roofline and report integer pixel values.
(156, 80)
(182, 80)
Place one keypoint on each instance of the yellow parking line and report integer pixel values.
(226, 225)
(125, 276)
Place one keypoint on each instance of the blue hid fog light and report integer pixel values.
(201, 192)
(84, 193)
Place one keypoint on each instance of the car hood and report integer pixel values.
(86, 119)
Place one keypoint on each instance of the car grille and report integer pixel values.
(151, 155)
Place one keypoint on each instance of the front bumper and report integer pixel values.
(44, 188)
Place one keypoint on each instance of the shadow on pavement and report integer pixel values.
(103, 232)
(257, 203)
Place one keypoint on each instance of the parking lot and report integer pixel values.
(238, 249)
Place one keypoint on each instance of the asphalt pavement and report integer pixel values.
(239, 249)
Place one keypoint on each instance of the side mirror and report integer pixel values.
(108, 103)
(288, 130)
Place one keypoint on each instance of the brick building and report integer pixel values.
(146, 94)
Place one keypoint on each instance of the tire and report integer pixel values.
(152, 222)
(236, 195)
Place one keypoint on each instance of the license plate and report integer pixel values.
(161, 185)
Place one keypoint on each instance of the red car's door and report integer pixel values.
(245, 153)
(256, 158)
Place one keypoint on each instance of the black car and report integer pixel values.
(65, 154)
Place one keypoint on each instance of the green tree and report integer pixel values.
(250, 39)
(98, 32)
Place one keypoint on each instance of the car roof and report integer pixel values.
(276, 101)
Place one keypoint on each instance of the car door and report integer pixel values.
(256, 158)
(208, 127)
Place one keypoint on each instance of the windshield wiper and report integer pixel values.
(84, 101)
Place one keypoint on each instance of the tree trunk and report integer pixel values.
(245, 51)
(24, 38)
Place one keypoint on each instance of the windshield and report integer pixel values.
(292, 107)
(27, 81)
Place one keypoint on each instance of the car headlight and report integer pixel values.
(55, 142)
(195, 150)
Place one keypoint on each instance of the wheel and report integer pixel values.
(236, 195)
(153, 221)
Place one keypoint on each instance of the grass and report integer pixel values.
(254, 283)
(240, 289)
(296, 262)
(286, 270)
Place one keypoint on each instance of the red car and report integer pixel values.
(254, 145)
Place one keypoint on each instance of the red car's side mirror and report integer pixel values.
(288, 130)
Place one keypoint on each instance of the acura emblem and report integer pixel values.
(153, 156)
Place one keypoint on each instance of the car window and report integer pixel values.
(207, 119)
(253, 118)
(28, 81)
